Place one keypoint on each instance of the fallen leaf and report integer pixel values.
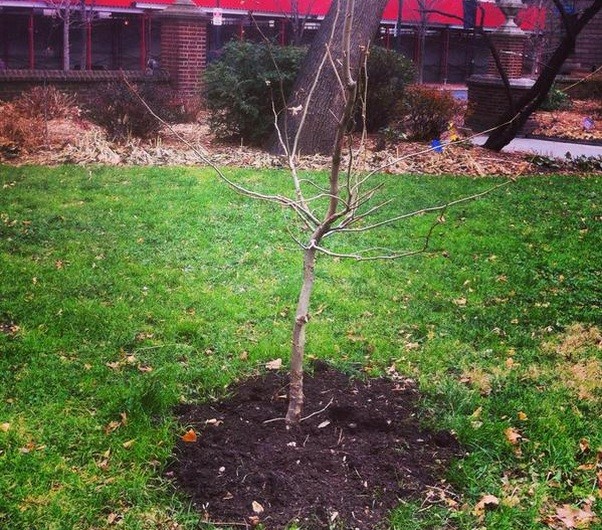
(111, 518)
(477, 413)
(584, 445)
(190, 436)
(512, 435)
(128, 444)
(112, 426)
(461, 302)
(276, 364)
(572, 517)
(257, 508)
(4, 427)
(325, 423)
(522, 416)
(486, 502)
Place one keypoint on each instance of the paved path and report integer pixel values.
(547, 147)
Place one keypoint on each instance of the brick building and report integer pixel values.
(152, 36)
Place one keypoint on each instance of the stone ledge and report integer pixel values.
(495, 81)
(79, 76)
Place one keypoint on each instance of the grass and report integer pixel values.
(125, 291)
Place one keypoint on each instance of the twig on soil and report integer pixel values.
(317, 411)
(306, 417)
(218, 523)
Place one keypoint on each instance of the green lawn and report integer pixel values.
(125, 291)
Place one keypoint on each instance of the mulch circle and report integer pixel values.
(360, 451)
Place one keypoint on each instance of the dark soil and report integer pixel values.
(349, 464)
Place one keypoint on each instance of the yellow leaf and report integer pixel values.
(477, 413)
(522, 416)
(4, 427)
(190, 436)
(128, 444)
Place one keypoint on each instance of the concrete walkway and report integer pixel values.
(546, 147)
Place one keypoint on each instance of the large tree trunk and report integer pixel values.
(327, 100)
(512, 121)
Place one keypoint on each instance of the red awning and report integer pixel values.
(529, 18)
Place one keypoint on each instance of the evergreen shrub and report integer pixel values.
(241, 85)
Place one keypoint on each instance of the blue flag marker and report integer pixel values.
(437, 145)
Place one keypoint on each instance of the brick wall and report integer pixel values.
(488, 100)
(588, 51)
(82, 84)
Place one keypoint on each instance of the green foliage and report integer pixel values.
(424, 113)
(581, 163)
(388, 74)
(556, 99)
(242, 84)
(123, 115)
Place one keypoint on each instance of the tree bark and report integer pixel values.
(66, 41)
(295, 396)
(512, 121)
(318, 125)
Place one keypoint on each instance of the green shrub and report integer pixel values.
(556, 100)
(425, 113)
(124, 116)
(388, 74)
(240, 86)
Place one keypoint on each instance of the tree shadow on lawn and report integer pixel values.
(345, 467)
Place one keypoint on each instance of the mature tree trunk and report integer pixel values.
(326, 100)
(512, 121)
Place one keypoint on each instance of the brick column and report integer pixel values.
(487, 95)
(511, 49)
(184, 46)
(509, 41)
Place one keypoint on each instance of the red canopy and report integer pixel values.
(493, 17)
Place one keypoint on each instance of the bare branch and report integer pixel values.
(423, 211)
